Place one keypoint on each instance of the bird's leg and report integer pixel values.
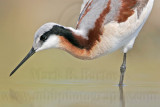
(122, 70)
(122, 96)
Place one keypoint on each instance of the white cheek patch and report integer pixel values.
(51, 42)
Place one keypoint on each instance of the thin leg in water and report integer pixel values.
(123, 69)
(122, 96)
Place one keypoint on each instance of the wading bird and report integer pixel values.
(103, 26)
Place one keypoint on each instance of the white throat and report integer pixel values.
(52, 42)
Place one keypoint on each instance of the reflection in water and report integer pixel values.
(122, 96)
(64, 97)
(79, 95)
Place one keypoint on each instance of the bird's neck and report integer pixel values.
(75, 42)
(79, 42)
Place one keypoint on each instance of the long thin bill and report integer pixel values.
(31, 52)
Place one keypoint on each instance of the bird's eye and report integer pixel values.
(43, 38)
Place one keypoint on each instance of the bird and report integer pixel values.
(103, 27)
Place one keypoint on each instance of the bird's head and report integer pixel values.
(47, 36)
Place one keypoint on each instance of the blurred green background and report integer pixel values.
(19, 19)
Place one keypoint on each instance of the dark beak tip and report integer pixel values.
(10, 74)
(32, 51)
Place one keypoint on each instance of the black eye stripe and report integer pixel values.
(61, 31)
(45, 36)
(57, 30)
